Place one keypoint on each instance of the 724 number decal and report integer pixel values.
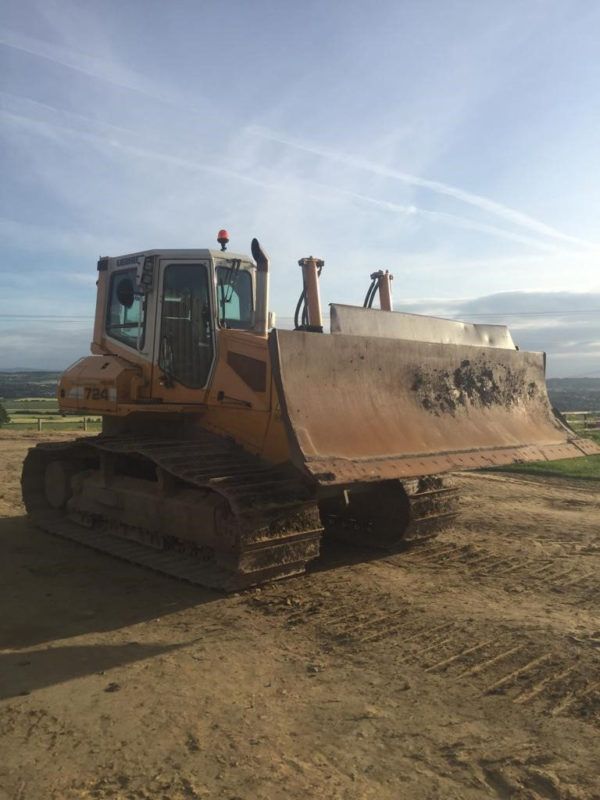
(94, 393)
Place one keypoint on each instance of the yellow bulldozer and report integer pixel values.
(228, 445)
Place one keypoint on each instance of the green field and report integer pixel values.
(32, 403)
(70, 423)
(26, 413)
(586, 467)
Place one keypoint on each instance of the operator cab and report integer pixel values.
(167, 306)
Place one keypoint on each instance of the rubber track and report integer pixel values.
(274, 507)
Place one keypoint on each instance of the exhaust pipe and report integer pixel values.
(261, 315)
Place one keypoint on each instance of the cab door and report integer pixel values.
(185, 333)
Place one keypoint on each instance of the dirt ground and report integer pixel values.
(468, 667)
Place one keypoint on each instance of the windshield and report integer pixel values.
(234, 297)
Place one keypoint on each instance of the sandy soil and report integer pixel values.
(466, 668)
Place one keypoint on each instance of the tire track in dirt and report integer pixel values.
(572, 574)
(558, 677)
(556, 674)
(562, 679)
(553, 514)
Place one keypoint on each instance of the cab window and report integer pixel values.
(126, 312)
(234, 298)
(186, 342)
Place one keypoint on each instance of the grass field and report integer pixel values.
(586, 467)
(58, 424)
(25, 413)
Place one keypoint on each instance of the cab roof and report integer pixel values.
(185, 253)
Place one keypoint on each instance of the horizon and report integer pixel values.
(73, 333)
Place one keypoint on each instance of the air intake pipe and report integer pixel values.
(97, 345)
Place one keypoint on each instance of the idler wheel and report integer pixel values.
(57, 483)
(375, 516)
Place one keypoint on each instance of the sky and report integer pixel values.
(453, 142)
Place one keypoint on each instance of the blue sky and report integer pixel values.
(454, 142)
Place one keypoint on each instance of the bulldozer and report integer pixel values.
(229, 446)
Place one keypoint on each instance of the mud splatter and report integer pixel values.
(442, 391)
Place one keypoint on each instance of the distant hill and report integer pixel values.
(566, 394)
(574, 394)
(28, 383)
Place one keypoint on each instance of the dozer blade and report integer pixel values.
(361, 408)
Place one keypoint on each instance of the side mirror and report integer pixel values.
(125, 292)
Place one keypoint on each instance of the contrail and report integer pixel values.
(21, 102)
(46, 129)
(123, 79)
(111, 142)
(450, 219)
(483, 203)
(133, 82)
